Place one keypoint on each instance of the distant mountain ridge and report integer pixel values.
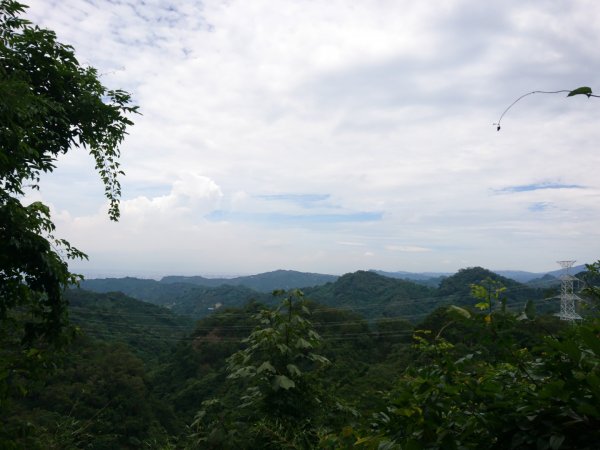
(521, 276)
(421, 276)
(524, 277)
(285, 279)
(369, 293)
(262, 282)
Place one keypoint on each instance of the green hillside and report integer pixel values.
(181, 298)
(374, 295)
(142, 289)
(457, 290)
(114, 317)
(202, 301)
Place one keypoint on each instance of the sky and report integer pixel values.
(334, 136)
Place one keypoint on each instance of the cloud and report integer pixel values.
(352, 244)
(304, 200)
(296, 220)
(407, 248)
(191, 194)
(274, 137)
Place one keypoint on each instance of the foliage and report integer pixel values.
(148, 330)
(97, 397)
(532, 401)
(195, 371)
(49, 104)
(277, 353)
(488, 292)
(281, 396)
(500, 390)
(591, 291)
(463, 383)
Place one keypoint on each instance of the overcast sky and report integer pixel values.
(332, 136)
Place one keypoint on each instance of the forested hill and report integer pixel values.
(460, 283)
(147, 329)
(263, 282)
(367, 293)
(181, 298)
(374, 295)
(142, 289)
(457, 290)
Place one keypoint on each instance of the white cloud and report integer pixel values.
(407, 248)
(385, 107)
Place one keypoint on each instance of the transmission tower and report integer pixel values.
(567, 297)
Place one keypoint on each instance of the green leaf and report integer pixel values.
(571, 349)
(591, 340)
(293, 370)
(303, 343)
(283, 349)
(266, 366)
(282, 382)
(482, 305)
(584, 90)
(318, 358)
(556, 441)
(461, 311)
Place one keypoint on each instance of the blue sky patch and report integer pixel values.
(538, 206)
(540, 186)
(304, 200)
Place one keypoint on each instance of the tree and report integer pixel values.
(488, 292)
(277, 369)
(49, 105)
(591, 291)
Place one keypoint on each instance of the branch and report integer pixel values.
(584, 90)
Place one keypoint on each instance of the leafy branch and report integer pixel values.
(584, 90)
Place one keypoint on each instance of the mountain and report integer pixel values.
(374, 295)
(460, 283)
(518, 275)
(421, 276)
(430, 279)
(525, 277)
(142, 289)
(181, 298)
(369, 293)
(148, 329)
(263, 282)
(202, 301)
(457, 290)
(547, 281)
